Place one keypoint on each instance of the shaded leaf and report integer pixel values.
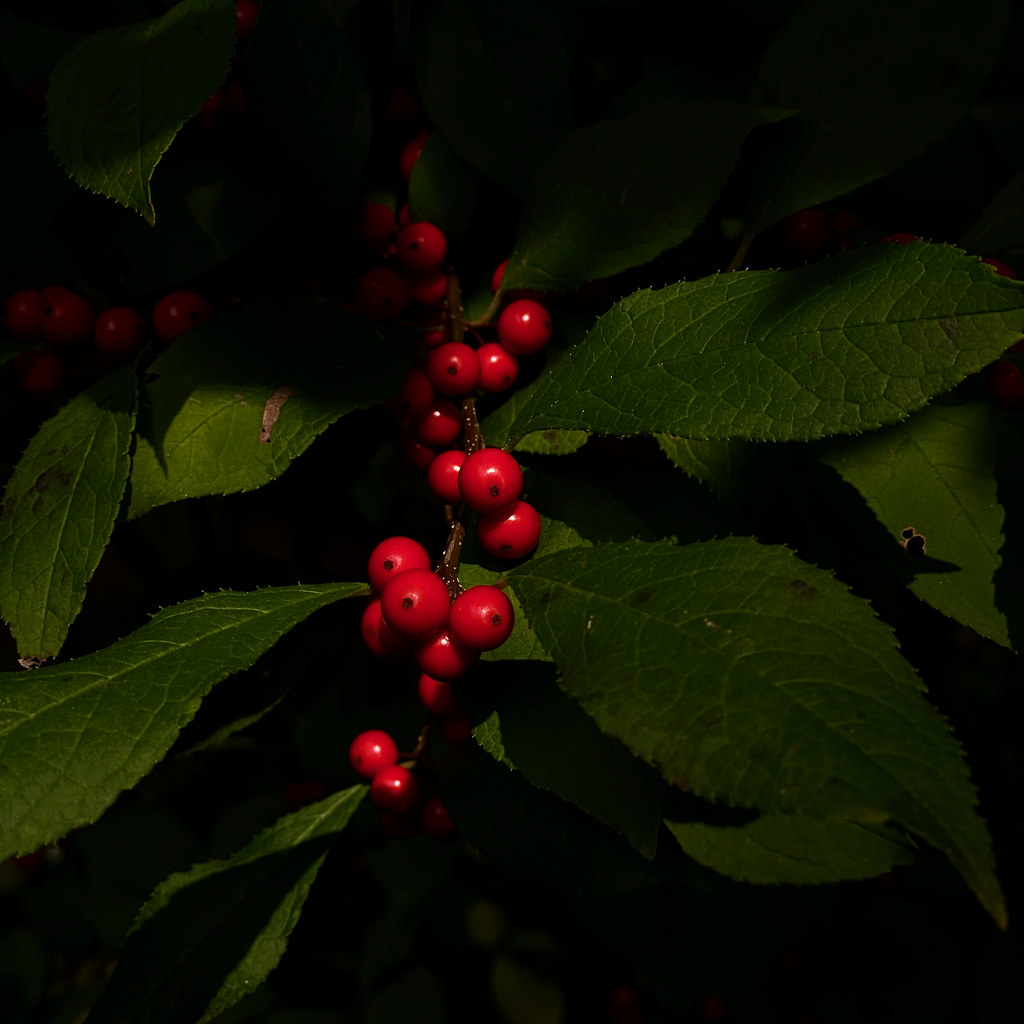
(442, 189)
(59, 509)
(749, 676)
(845, 345)
(1001, 224)
(74, 735)
(721, 464)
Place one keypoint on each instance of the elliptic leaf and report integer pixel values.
(718, 463)
(59, 509)
(74, 735)
(838, 347)
(117, 100)
(749, 676)
(1001, 225)
(210, 935)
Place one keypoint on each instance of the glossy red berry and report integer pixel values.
(1001, 268)
(414, 397)
(415, 603)
(498, 368)
(481, 618)
(428, 289)
(900, 238)
(443, 657)
(510, 534)
(437, 822)
(443, 476)
(524, 326)
(436, 696)
(381, 294)
(373, 226)
(67, 320)
(119, 331)
(411, 153)
(1005, 383)
(441, 424)
(499, 273)
(392, 556)
(372, 750)
(490, 480)
(379, 637)
(40, 373)
(453, 368)
(177, 313)
(454, 728)
(245, 17)
(22, 313)
(421, 247)
(808, 233)
(394, 788)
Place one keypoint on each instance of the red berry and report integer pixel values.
(1001, 268)
(379, 637)
(808, 233)
(1006, 385)
(499, 273)
(177, 313)
(428, 289)
(900, 238)
(443, 476)
(400, 105)
(411, 153)
(431, 340)
(436, 696)
(421, 247)
(373, 226)
(454, 728)
(67, 320)
(404, 216)
(510, 534)
(40, 373)
(394, 788)
(22, 313)
(414, 397)
(498, 368)
(119, 331)
(372, 750)
(481, 618)
(415, 454)
(441, 424)
(490, 479)
(453, 368)
(437, 823)
(845, 220)
(443, 657)
(381, 294)
(392, 556)
(415, 603)
(524, 326)
(234, 99)
(245, 17)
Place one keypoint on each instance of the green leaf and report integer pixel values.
(845, 345)
(117, 100)
(208, 936)
(469, 68)
(749, 676)
(305, 75)
(616, 194)
(722, 464)
(935, 475)
(202, 425)
(74, 735)
(1001, 225)
(442, 189)
(875, 84)
(793, 848)
(59, 509)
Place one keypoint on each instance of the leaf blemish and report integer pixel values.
(643, 595)
(804, 590)
(951, 327)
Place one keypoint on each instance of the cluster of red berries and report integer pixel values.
(65, 321)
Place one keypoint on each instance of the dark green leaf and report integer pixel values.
(469, 66)
(845, 345)
(219, 384)
(442, 190)
(1001, 225)
(73, 736)
(59, 509)
(210, 935)
(875, 84)
(935, 476)
(117, 100)
(721, 464)
(614, 195)
(27, 50)
(793, 848)
(749, 676)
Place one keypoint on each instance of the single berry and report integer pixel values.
(381, 294)
(436, 696)
(453, 368)
(428, 289)
(392, 556)
(414, 397)
(443, 476)
(67, 320)
(373, 226)
(510, 534)
(454, 728)
(900, 238)
(808, 233)
(1001, 268)
(443, 657)
(499, 273)
(40, 373)
(119, 331)
(524, 326)
(245, 17)
(431, 340)
(177, 313)
(481, 618)
(441, 424)
(437, 823)
(379, 637)
(490, 479)
(498, 368)
(411, 153)
(1005, 383)
(415, 603)
(414, 453)
(22, 313)
(400, 105)
(372, 750)
(394, 788)
(421, 247)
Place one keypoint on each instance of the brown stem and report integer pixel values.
(488, 314)
(741, 252)
(418, 751)
(455, 318)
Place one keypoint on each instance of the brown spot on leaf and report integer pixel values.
(642, 596)
(803, 589)
(913, 543)
(272, 410)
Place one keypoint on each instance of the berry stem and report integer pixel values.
(455, 310)
(490, 312)
(741, 252)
